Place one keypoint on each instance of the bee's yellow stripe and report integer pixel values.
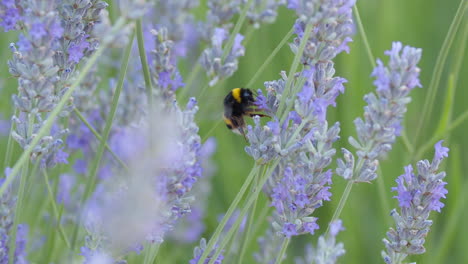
(227, 121)
(236, 93)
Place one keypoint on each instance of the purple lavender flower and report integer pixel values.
(212, 59)
(9, 15)
(327, 250)
(418, 195)
(383, 114)
(198, 251)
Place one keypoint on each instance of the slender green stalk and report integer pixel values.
(284, 246)
(270, 58)
(341, 204)
(98, 137)
(24, 158)
(57, 214)
(17, 211)
(248, 230)
(364, 36)
(210, 245)
(292, 70)
(144, 62)
(253, 196)
(236, 30)
(93, 171)
(462, 118)
(190, 83)
(107, 128)
(151, 254)
(438, 68)
(9, 148)
(384, 206)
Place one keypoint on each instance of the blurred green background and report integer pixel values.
(418, 23)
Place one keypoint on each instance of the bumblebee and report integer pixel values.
(239, 102)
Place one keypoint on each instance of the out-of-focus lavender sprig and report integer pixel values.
(327, 250)
(418, 195)
(383, 114)
(212, 59)
(176, 17)
(190, 228)
(269, 246)
(7, 215)
(198, 251)
(263, 11)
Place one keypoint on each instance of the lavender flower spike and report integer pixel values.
(212, 59)
(383, 114)
(327, 250)
(418, 195)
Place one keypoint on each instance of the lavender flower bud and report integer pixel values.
(198, 251)
(212, 59)
(384, 113)
(418, 195)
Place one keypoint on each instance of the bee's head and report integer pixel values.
(247, 95)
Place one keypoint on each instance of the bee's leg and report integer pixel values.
(241, 130)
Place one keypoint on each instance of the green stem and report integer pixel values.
(364, 36)
(382, 195)
(284, 246)
(107, 128)
(95, 165)
(24, 158)
(227, 216)
(248, 230)
(244, 209)
(9, 148)
(57, 214)
(462, 118)
(341, 204)
(270, 58)
(98, 137)
(236, 30)
(438, 68)
(151, 253)
(144, 62)
(292, 70)
(17, 211)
